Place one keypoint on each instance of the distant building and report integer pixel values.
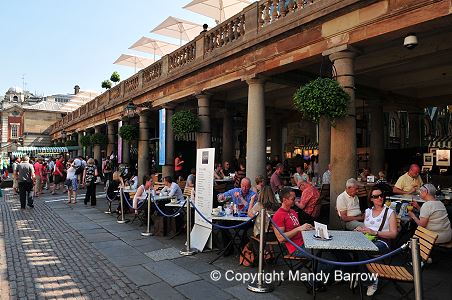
(25, 118)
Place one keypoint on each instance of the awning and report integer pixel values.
(441, 142)
(40, 150)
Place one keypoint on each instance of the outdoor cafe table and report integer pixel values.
(417, 198)
(238, 233)
(353, 241)
(225, 180)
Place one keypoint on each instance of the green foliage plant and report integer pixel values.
(115, 77)
(128, 132)
(106, 84)
(184, 122)
(322, 97)
(85, 140)
(98, 139)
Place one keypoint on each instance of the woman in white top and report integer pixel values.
(171, 189)
(133, 181)
(380, 223)
(433, 214)
(143, 192)
(71, 183)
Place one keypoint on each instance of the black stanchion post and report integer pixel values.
(148, 227)
(260, 286)
(188, 250)
(121, 198)
(415, 255)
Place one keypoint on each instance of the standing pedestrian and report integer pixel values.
(179, 166)
(58, 179)
(25, 175)
(89, 180)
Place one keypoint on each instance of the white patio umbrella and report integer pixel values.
(219, 10)
(134, 61)
(178, 28)
(152, 46)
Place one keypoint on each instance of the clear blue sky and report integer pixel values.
(60, 43)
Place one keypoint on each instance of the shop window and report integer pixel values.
(392, 127)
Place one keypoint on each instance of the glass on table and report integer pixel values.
(240, 207)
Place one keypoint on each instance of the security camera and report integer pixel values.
(410, 41)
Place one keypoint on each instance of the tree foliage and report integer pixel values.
(128, 132)
(106, 84)
(115, 77)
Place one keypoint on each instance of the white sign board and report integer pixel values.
(204, 196)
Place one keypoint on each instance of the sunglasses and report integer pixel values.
(377, 196)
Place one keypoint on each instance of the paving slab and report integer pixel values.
(162, 291)
(129, 260)
(162, 254)
(200, 290)
(193, 264)
(241, 292)
(139, 275)
(171, 273)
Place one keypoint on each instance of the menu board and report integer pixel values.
(202, 230)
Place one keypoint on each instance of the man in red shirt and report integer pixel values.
(58, 175)
(38, 177)
(287, 220)
(309, 206)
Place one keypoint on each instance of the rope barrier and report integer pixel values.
(330, 262)
(221, 226)
(166, 215)
(140, 204)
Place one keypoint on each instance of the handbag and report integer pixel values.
(371, 237)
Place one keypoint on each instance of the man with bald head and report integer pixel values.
(241, 195)
(409, 182)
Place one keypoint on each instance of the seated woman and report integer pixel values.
(380, 225)
(171, 189)
(112, 190)
(218, 173)
(266, 199)
(433, 214)
(143, 192)
(260, 182)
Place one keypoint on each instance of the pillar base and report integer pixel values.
(260, 288)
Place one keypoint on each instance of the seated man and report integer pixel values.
(287, 220)
(309, 208)
(347, 206)
(241, 195)
(326, 177)
(191, 179)
(171, 189)
(409, 182)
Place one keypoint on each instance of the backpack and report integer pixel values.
(79, 170)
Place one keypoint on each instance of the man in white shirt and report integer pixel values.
(347, 206)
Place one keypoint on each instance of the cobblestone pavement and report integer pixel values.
(47, 259)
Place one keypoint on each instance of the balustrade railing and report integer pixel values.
(230, 31)
(131, 84)
(273, 10)
(182, 56)
(102, 99)
(115, 92)
(92, 105)
(152, 72)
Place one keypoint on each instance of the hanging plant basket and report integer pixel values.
(70, 143)
(128, 132)
(85, 140)
(184, 122)
(322, 97)
(98, 139)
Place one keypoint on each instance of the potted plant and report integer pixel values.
(184, 122)
(128, 132)
(322, 97)
(106, 84)
(115, 77)
(85, 141)
(98, 139)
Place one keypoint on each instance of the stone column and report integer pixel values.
(276, 143)
(111, 136)
(96, 148)
(203, 137)
(228, 140)
(255, 146)
(168, 168)
(343, 135)
(79, 137)
(125, 146)
(324, 144)
(377, 151)
(143, 146)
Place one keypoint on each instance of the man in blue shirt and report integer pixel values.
(241, 195)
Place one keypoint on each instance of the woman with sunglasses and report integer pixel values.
(380, 226)
(432, 214)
